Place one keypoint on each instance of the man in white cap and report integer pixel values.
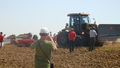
(44, 47)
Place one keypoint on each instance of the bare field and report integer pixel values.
(107, 56)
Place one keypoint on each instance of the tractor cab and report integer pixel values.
(78, 21)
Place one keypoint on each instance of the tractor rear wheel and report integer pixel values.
(62, 39)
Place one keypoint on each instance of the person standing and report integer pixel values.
(71, 37)
(93, 35)
(43, 48)
(1, 39)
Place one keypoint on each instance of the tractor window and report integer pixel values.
(74, 20)
(85, 19)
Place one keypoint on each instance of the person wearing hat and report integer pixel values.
(71, 37)
(43, 48)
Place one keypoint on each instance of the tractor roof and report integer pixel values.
(74, 14)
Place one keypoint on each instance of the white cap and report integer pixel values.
(44, 30)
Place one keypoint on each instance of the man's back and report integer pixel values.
(43, 49)
(72, 35)
(93, 33)
(43, 53)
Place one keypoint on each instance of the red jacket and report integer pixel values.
(72, 35)
(1, 38)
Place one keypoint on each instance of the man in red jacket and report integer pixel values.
(1, 39)
(72, 37)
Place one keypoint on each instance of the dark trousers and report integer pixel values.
(71, 45)
(92, 43)
(0, 44)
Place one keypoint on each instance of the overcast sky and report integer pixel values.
(22, 16)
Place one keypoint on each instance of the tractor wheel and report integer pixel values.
(62, 39)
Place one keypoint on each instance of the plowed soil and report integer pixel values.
(107, 56)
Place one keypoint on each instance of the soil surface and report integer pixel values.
(107, 56)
